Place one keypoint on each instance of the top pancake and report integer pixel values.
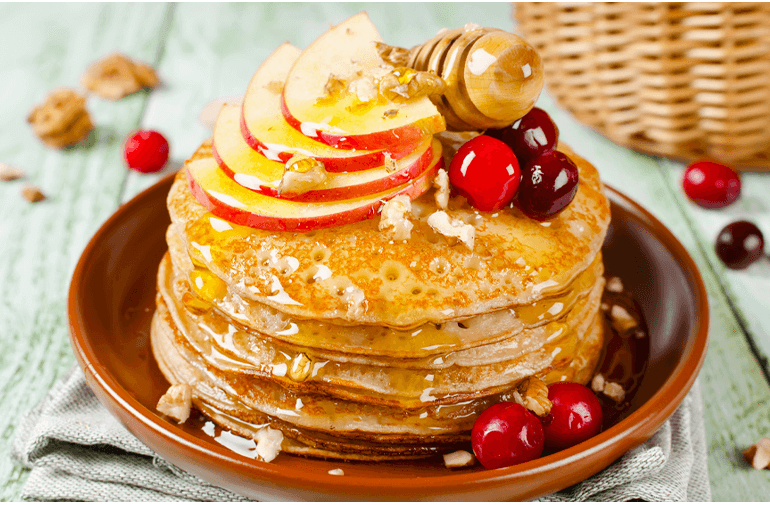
(356, 274)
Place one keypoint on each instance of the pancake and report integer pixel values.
(454, 376)
(326, 426)
(516, 260)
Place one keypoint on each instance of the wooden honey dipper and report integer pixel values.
(492, 77)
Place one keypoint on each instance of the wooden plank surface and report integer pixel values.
(209, 51)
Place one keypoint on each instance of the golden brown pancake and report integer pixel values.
(259, 323)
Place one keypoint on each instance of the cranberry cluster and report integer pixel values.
(713, 186)
(491, 169)
(507, 434)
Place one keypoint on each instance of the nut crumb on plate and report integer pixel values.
(612, 390)
(336, 471)
(32, 194)
(176, 402)
(62, 120)
(116, 76)
(9, 173)
(615, 285)
(459, 459)
(269, 442)
(758, 455)
(621, 319)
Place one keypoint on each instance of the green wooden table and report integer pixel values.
(204, 52)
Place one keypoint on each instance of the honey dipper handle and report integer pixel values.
(493, 77)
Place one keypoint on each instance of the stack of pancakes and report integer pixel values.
(360, 347)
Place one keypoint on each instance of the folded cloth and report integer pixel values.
(78, 451)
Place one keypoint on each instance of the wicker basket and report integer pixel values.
(683, 80)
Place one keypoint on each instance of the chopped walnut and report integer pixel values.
(459, 459)
(441, 183)
(177, 402)
(611, 390)
(269, 443)
(116, 76)
(364, 89)
(390, 164)
(758, 455)
(356, 300)
(393, 217)
(615, 285)
(452, 228)
(32, 194)
(334, 86)
(9, 173)
(533, 395)
(336, 471)
(622, 320)
(396, 56)
(390, 113)
(62, 120)
(404, 84)
(302, 174)
(597, 383)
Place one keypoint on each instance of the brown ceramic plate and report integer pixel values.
(111, 301)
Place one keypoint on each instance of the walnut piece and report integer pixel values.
(336, 471)
(177, 402)
(354, 297)
(533, 395)
(390, 164)
(9, 173)
(441, 183)
(452, 228)
(758, 455)
(622, 320)
(334, 86)
(269, 443)
(116, 76)
(32, 194)
(396, 56)
(611, 390)
(302, 174)
(62, 120)
(393, 217)
(614, 285)
(459, 459)
(364, 89)
(404, 84)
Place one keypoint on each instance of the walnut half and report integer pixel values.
(62, 120)
(116, 76)
(177, 402)
(758, 455)
(532, 393)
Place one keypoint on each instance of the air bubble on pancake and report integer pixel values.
(318, 254)
(439, 266)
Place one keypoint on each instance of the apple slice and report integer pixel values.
(226, 199)
(266, 131)
(257, 173)
(343, 52)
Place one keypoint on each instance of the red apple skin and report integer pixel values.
(353, 163)
(238, 216)
(406, 134)
(343, 192)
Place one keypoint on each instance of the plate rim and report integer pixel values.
(624, 436)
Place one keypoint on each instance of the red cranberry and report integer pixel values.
(711, 185)
(486, 172)
(740, 244)
(146, 151)
(506, 434)
(530, 136)
(576, 415)
(548, 184)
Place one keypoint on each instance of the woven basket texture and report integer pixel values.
(682, 80)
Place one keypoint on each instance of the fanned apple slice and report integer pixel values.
(265, 129)
(344, 52)
(255, 172)
(228, 200)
